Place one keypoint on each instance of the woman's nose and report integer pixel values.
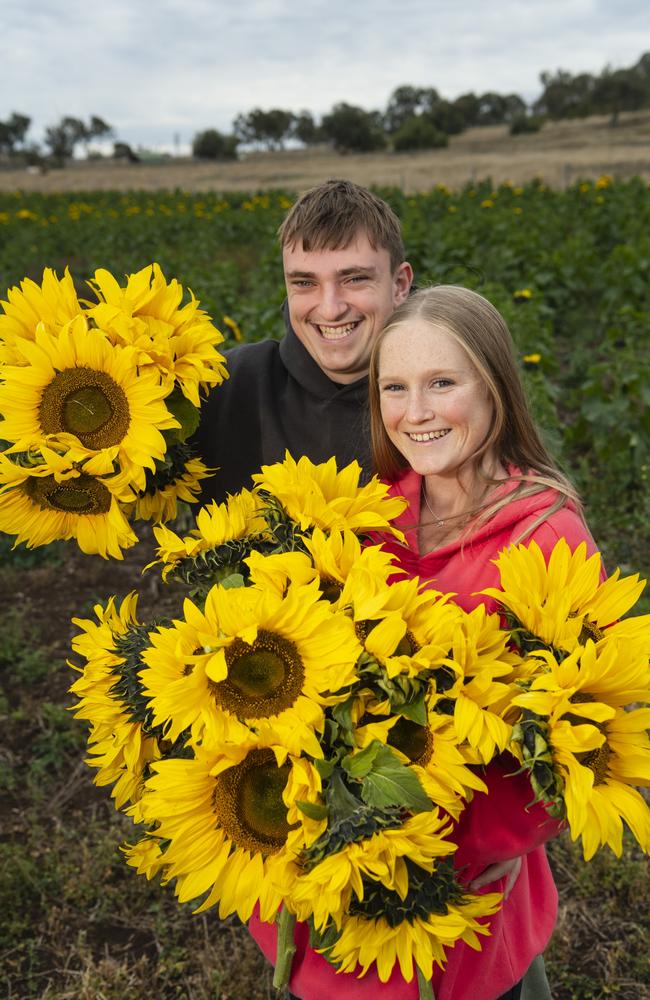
(418, 407)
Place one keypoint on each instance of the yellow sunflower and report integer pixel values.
(406, 628)
(338, 554)
(589, 684)
(49, 305)
(325, 891)
(481, 691)
(120, 747)
(180, 481)
(255, 659)
(53, 500)
(320, 496)
(217, 525)
(419, 940)
(599, 771)
(432, 751)
(225, 818)
(178, 342)
(563, 602)
(81, 391)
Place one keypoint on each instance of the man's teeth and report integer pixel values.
(336, 332)
(429, 435)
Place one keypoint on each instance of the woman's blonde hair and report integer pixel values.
(513, 437)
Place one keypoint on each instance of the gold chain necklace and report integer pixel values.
(441, 522)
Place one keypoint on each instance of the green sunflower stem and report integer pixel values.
(285, 950)
(425, 985)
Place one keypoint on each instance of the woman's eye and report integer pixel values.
(442, 383)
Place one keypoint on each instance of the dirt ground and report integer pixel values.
(560, 153)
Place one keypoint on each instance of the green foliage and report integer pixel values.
(351, 129)
(418, 132)
(214, 145)
(523, 124)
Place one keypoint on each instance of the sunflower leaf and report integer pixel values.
(391, 783)
(415, 710)
(342, 803)
(359, 764)
(313, 810)
(232, 581)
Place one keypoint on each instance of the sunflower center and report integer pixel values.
(330, 589)
(590, 631)
(407, 646)
(597, 760)
(83, 495)
(414, 741)
(264, 677)
(248, 804)
(87, 403)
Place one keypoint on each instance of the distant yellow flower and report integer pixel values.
(487, 203)
(522, 294)
(322, 496)
(532, 359)
(604, 181)
(234, 327)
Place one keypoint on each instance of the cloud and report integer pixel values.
(183, 65)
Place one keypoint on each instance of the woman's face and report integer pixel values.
(435, 407)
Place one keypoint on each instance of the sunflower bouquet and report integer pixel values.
(288, 743)
(299, 743)
(581, 723)
(97, 402)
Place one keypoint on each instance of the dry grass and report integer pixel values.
(559, 153)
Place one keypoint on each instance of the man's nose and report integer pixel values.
(332, 305)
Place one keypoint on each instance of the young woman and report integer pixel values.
(452, 433)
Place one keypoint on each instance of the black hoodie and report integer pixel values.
(277, 398)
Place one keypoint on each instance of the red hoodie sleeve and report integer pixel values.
(503, 824)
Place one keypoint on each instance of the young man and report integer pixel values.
(345, 272)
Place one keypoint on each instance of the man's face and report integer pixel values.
(339, 300)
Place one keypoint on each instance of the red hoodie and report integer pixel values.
(494, 827)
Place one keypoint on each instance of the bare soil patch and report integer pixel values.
(560, 153)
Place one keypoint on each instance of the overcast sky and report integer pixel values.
(161, 70)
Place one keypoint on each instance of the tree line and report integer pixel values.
(414, 118)
(421, 118)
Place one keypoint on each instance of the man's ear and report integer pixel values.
(402, 281)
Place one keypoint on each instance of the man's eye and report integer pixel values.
(301, 283)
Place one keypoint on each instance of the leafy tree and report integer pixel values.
(469, 107)
(13, 131)
(351, 129)
(618, 90)
(64, 137)
(445, 117)
(214, 145)
(418, 132)
(405, 102)
(305, 129)
(564, 95)
(268, 128)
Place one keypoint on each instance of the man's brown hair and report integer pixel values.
(331, 215)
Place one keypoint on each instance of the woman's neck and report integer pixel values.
(449, 504)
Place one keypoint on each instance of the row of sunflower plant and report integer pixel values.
(305, 716)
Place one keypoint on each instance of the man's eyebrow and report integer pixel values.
(342, 273)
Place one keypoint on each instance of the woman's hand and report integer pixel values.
(492, 873)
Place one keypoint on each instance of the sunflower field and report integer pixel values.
(569, 271)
